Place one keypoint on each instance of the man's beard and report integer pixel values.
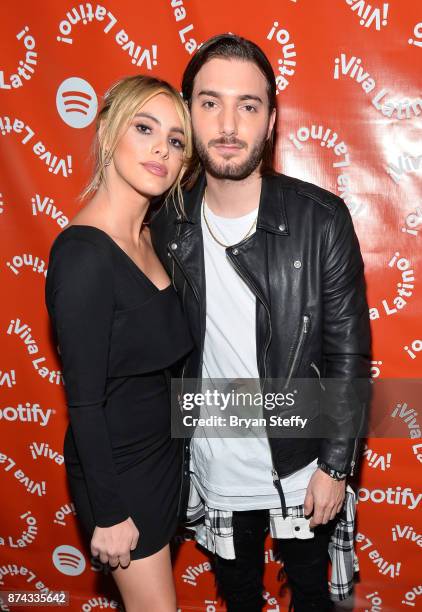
(228, 169)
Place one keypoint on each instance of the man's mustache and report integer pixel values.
(227, 141)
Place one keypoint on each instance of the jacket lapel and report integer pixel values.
(251, 255)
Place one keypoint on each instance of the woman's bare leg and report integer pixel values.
(147, 585)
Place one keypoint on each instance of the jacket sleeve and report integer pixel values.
(81, 296)
(346, 342)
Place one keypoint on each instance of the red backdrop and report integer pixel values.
(350, 110)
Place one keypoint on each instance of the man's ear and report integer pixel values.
(271, 122)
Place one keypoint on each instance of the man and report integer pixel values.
(270, 275)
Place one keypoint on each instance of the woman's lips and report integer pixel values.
(155, 168)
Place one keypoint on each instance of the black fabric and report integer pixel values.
(240, 580)
(117, 334)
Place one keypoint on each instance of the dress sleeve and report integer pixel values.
(82, 301)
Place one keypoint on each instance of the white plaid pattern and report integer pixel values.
(214, 531)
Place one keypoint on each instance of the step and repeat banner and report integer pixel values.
(348, 76)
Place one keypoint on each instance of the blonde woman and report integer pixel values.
(119, 328)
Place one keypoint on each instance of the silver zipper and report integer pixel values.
(315, 367)
(274, 473)
(353, 462)
(172, 262)
(192, 286)
(172, 275)
(304, 330)
(184, 287)
(182, 377)
(183, 454)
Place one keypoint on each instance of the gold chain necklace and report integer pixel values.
(215, 237)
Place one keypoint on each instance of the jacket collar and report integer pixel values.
(272, 215)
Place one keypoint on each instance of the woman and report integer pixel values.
(119, 328)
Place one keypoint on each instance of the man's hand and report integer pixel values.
(324, 496)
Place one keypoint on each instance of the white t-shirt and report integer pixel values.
(234, 473)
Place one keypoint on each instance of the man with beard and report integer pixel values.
(270, 275)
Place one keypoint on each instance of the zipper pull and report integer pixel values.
(353, 461)
(277, 484)
(315, 367)
(305, 324)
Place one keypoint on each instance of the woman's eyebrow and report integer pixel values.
(158, 122)
(148, 116)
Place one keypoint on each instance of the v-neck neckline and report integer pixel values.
(125, 254)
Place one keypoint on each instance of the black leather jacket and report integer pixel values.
(305, 267)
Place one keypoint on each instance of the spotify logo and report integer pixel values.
(76, 102)
(69, 560)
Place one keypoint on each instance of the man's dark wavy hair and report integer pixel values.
(230, 46)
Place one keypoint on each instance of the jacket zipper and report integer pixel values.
(172, 275)
(303, 331)
(353, 462)
(274, 473)
(315, 367)
(184, 365)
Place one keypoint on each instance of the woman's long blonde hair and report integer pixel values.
(121, 102)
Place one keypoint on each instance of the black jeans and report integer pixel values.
(305, 563)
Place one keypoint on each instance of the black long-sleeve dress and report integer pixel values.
(117, 335)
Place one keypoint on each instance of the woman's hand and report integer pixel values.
(113, 544)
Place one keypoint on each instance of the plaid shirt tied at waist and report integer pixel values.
(214, 531)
